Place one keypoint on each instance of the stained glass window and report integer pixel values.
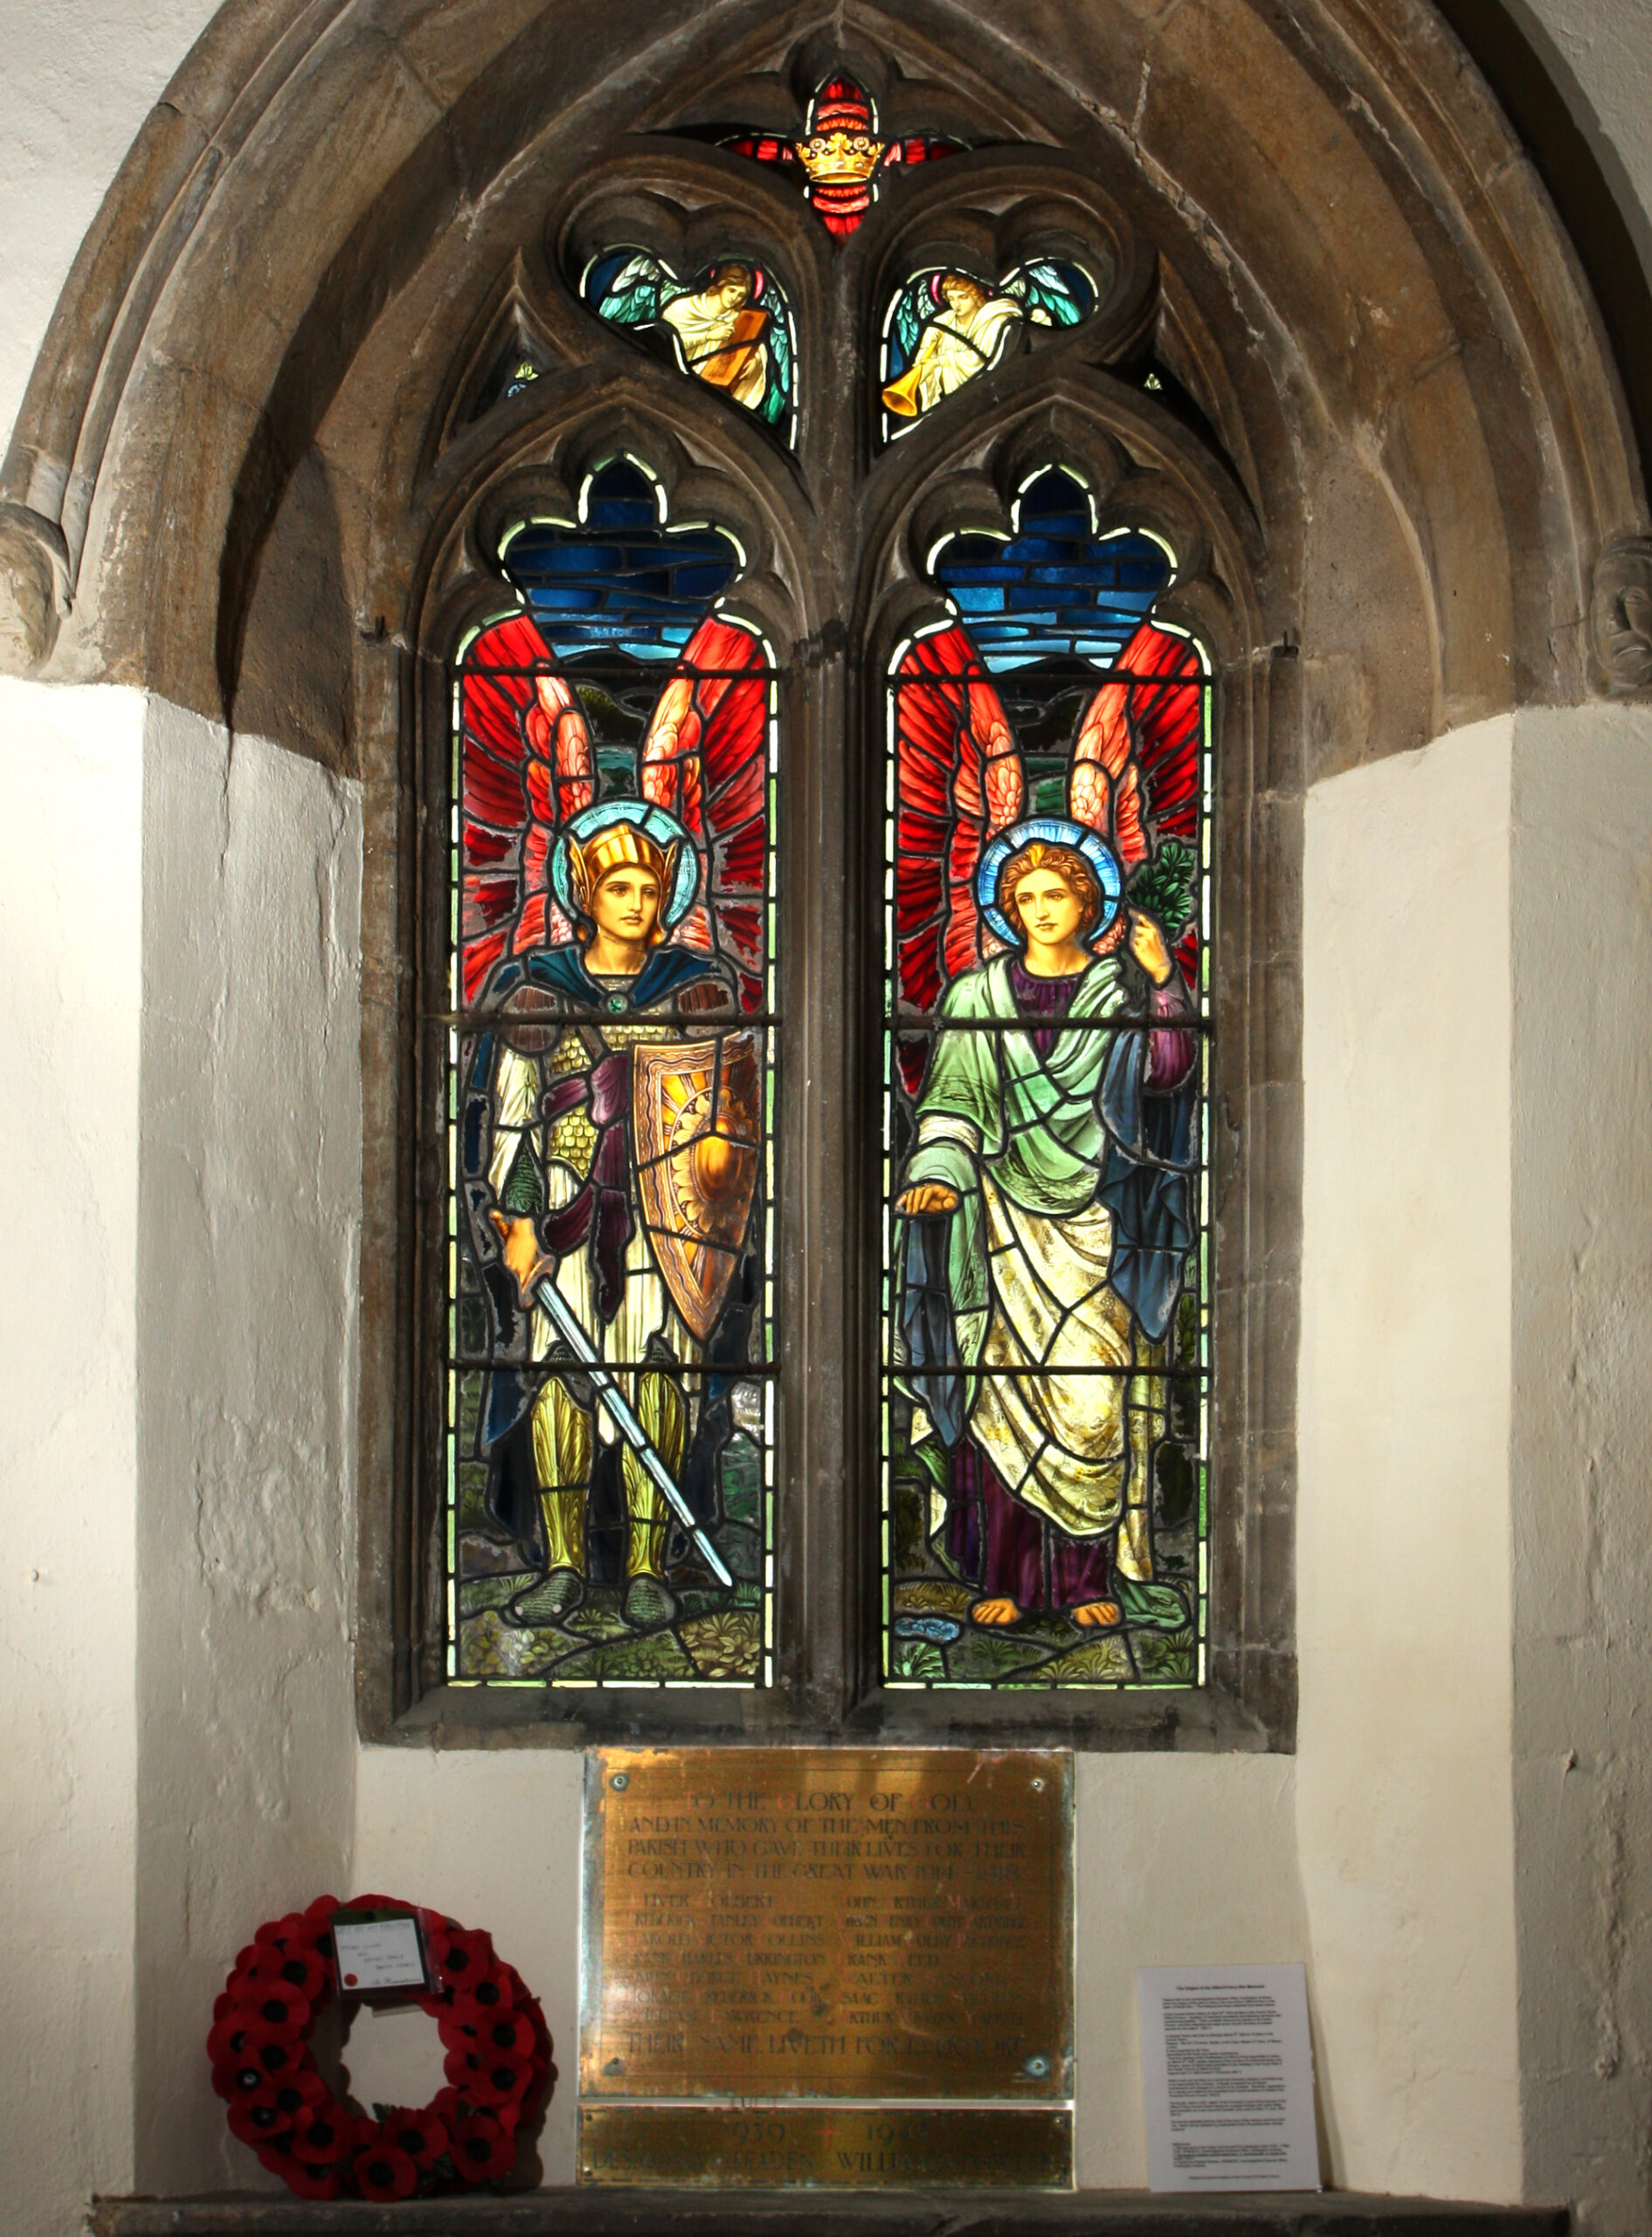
(1047, 1305)
(515, 367)
(728, 325)
(610, 1322)
(945, 326)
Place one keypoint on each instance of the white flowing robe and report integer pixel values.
(956, 345)
(710, 332)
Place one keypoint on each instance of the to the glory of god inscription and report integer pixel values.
(850, 1925)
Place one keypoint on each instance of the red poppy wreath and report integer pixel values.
(498, 2064)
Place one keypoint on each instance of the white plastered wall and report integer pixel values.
(182, 930)
(1404, 1794)
(249, 1237)
(1475, 1550)
(71, 896)
(1581, 1521)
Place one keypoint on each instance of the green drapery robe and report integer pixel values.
(1021, 1140)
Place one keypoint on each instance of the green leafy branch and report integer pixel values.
(1163, 888)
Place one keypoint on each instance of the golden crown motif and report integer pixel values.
(840, 158)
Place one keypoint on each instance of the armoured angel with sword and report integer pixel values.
(612, 1125)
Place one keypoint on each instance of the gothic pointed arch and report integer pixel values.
(1347, 369)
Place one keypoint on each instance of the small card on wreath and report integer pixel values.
(376, 1951)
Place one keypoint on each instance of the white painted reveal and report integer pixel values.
(1474, 1571)
(248, 1249)
(71, 897)
(1404, 1801)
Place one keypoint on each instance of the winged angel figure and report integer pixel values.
(612, 1121)
(729, 328)
(944, 328)
(1045, 1208)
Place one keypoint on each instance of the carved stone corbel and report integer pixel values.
(34, 589)
(1620, 614)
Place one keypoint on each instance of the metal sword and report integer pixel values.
(562, 1316)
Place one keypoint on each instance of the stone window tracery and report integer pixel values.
(754, 374)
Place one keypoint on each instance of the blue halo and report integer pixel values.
(663, 829)
(1052, 831)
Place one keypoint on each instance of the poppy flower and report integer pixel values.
(259, 2120)
(305, 2182)
(448, 2105)
(228, 2038)
(258, 2062)
(285, 2013)
(383, 2172)
(236, 2078)
(483, 1998)
(297, 1967)
(294, 1930)
(293, 2091)
(246, 1958)
(483, 2149)
(504, 2031)
(419, 2134)
(280, 2060)
(320, 1911)
(323, 2135)
(503, 2079)
(462, 1958)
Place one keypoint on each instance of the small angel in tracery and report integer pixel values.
(729, 325)
(946, 328)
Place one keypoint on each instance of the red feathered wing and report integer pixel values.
(705, 760)
(958, 780)
(1136, 763)
(526, 765)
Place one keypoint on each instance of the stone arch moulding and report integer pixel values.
(320, 160)
(1348, 353)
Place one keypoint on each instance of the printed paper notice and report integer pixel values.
(1229, 2073)
(379, 1954)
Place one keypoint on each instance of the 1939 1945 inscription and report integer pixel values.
(792, 1923)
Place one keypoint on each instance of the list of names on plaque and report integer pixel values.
(1000, 2147)
(788, 1923)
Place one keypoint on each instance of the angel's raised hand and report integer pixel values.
(1147, 945)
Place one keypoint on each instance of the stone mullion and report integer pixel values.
(821, 1436)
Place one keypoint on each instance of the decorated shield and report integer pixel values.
(695, 1116)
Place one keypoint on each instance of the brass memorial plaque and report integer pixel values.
(997, 2147)
(772, 1923)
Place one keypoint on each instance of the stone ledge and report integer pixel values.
(603, 2212)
